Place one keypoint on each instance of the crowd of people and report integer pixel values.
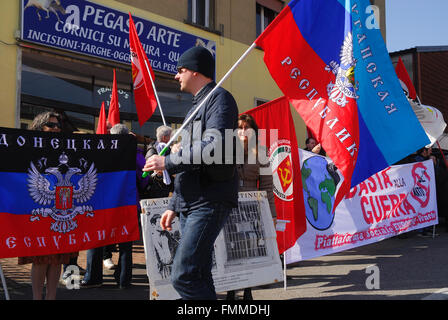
(202, 195)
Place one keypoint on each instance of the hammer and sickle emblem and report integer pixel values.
(284, 174)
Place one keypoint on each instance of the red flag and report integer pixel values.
(285, 165)
(405, 80)
(309, 133)
(144, 96)
(102, 126)
(114, 110)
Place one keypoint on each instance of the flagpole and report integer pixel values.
(155, 92)
(191, 117)
(5, 288)
(284, 270)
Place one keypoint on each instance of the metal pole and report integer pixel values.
(5, 288)
(178, 132)
(191, 117)
(284, 270)
(155, 92)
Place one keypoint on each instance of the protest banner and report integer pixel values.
(64, 193)
(396, 200)
(245, 255)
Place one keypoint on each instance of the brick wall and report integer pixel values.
(433, 86)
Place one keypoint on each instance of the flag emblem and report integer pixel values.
(344, 86)
(282, 172)
(137, 76)
(64, 197)
(421, 189)
(58, 188)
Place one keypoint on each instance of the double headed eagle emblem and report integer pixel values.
(57, 186)
(345, 85)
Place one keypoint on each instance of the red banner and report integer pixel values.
(285, 165)
(102, 125)
(145, 100)
(405, 80)
(114, 110)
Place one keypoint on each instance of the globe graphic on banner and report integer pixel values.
(319, 186)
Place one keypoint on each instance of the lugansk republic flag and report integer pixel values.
(335, 70)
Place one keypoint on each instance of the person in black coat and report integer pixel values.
(204, 192)
(157, 187)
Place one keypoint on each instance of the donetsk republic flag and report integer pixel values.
(64, 193)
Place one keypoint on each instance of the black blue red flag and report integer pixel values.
(65, 193)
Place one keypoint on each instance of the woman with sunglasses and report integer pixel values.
(47, 121)
(46, 267)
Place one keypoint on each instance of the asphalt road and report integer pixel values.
(405, 268)
(411, 268)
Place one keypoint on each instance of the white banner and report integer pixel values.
(246, 252)
(394, 201)
(431, 120)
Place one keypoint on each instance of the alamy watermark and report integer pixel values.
(224, 147)
(72, 277)
(373, 280)
(373, 18)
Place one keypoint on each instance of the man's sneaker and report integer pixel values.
(108, 264)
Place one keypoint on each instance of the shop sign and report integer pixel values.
(90, 29)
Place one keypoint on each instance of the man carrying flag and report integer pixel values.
(204, 192)
(337, 74)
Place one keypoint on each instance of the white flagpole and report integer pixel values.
(155, 92)
(188, 120)
(5, 288)
(284, 270)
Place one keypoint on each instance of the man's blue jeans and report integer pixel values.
(191, 273)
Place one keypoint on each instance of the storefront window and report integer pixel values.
(77, 89)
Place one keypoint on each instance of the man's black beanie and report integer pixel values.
(198, 59)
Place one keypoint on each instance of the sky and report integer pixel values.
(411, 23)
